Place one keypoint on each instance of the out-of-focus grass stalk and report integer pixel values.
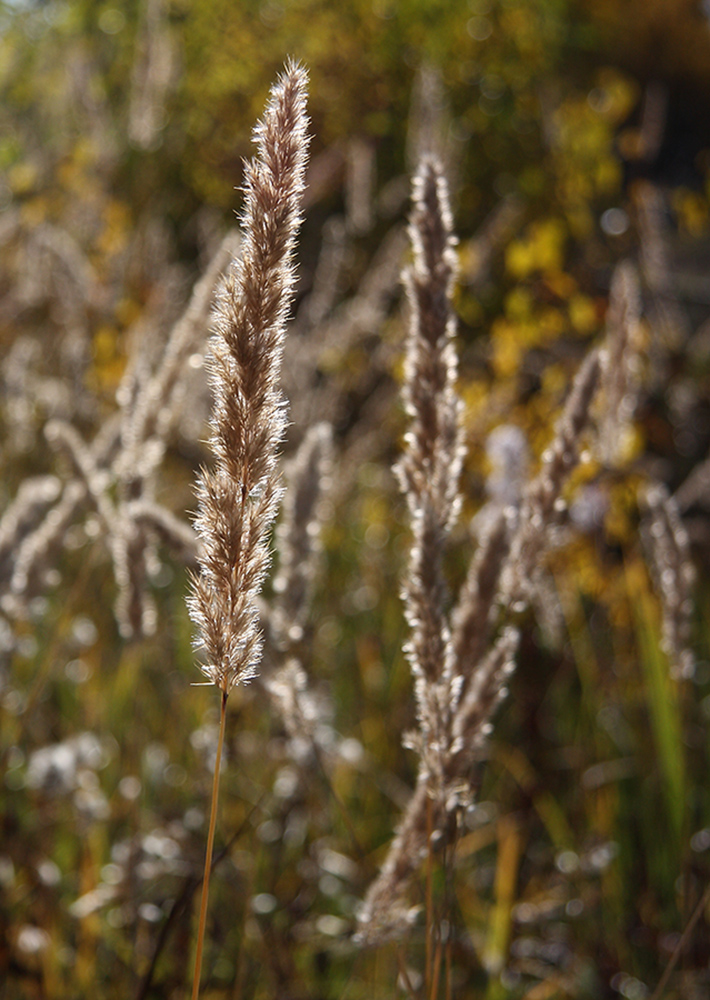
(663, 698)
(551, 814)
(210, 847)
(510, 847)
(238, 499)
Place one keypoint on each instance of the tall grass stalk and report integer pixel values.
(460, 660)
(239, 498)
(209, 850)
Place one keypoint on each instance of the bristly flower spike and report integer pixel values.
(238, 499)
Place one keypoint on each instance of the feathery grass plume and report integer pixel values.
(298, 535)
(238, 500)
(484, 693)
(150, 414)
(153, 72)
(543, 504)
(32, 557)
(33, 498)
(541, 508)
(429, 470)
(475, 611)
(668, 552)
(428, 819)
(668, 318)
(458, 684)
(306, 477)
(429, 118)
(96, 479)
(37, 550)
(477, 685)
(385, 914)
(428, 474)
(148, 405)
(134, 608)
(549, 612)
(621, 365)
(300, 710)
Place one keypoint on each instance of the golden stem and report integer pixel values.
(208, 854)
(429, 894)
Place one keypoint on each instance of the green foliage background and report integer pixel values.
(571, 881)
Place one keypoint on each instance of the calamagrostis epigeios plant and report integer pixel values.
(429, 469)
(429, 476)
(668, 553)
(621, 366)
(238, 498)
(461, 661)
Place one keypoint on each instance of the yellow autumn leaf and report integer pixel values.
(541, 249)
(582, 314)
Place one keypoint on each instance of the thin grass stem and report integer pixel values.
(449, 993)
(404, 974)
(690, 926)
(208, 853)
(437, 970)
(429, 891)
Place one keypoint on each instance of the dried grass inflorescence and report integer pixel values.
(458, 678)
(429, 469)
(307, 478)
(461, 660)
(238, 499)
(115, 476)
(461, 647)
(668, 554)
(28, 508)
(543, 505)
(621, 365)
